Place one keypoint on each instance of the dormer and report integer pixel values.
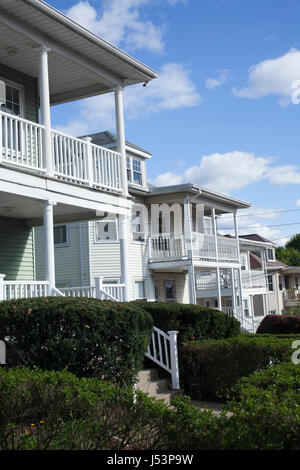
(135, 159)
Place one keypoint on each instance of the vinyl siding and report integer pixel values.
(68, 268)
(30, 90)
(181, 286)
(16, 250)
(104, 257)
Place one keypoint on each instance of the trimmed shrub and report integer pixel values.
(265, 411)
(87, 336)
(42, 410)
(209, 369)
(280, 324)
(193, 322)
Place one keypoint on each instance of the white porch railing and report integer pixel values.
(254, 279)
(74, 160)
(204, 246)
(227, 249)
(208, 280)
(22, 289)
(21, 142)
(163, 351)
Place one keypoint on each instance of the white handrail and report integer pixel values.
(22, 289)
(163, 351)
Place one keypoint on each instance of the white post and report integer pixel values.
(124, 254)
(120, 128)
(99, 284)
(219, 294)
(89, 160)
(188, 241)
(233, 293)
(45, 109)
(49, 245)
(2, 291)
(174, 359)
(123, 219)
(2, 352)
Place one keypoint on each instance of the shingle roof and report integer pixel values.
(255, 237)
(108, 138)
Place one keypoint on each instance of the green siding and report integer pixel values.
(16, 250)
(30, 90)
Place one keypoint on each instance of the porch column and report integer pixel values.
(124, 254)
(189, 246)
(233, 293)
(49, 245)
(45, 109)
(120, 128)
(219, 294)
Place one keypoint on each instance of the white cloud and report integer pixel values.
(215, 82)
(173, 89)
(273, 77)
(222, 172)
(121, 23)
(285, 174)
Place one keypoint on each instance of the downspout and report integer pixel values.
(81, 255)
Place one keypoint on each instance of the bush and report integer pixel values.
(56, 410)
(193, 322)
(265, 411)
(280, 324)
(88, 337)
(209, 369)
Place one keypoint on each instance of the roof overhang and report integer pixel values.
(81, 64)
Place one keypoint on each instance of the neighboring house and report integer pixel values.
(48, 177)
(175, 251)
(284, 291)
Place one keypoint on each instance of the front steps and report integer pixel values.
(152, 381)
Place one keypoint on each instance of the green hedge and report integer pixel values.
(88, 337)
(209, 369)
(280, 324)
(193, 322)
(43, 410)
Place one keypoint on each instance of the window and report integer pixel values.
(134, 170)
(139, 290)
(207, 225)
(270, 254)
(296, 283)
(286, 282)
(170, 291)
(270, 283)
(61, 235)
(13, 100)
(246, 307)
(280, 283)
(138, 223)
(106, 230)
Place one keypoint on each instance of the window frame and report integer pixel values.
(270, 283)
(136, 281)
(100, 241)
(130, 171)
(67, 242)
(21, 89)
(273, 255)
(174, 282)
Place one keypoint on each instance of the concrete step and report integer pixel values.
(150, 382)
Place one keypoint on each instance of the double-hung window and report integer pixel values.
(270, 283)
(134, 171)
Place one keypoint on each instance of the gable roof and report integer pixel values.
(108, 139)
(256, 238)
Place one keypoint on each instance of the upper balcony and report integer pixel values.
(73, 160)
(204, 247)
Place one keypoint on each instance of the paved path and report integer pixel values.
(215, 407)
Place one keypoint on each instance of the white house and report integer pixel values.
(175, 250)
(47, 177)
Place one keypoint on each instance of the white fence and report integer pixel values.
(163, 351)
(74, 160)
(22, 289)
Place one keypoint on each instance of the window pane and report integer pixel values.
(137, 178)
(139, 288)
(170, 290)
(60, 234)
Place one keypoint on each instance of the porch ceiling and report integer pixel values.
(30, 209)
(80, 63)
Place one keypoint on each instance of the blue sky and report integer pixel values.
(222, 113)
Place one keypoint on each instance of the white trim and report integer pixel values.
(111, 241)
(21, 89)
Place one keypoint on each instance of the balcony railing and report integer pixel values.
(208, 280)
(173, 246)
(74, 160)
